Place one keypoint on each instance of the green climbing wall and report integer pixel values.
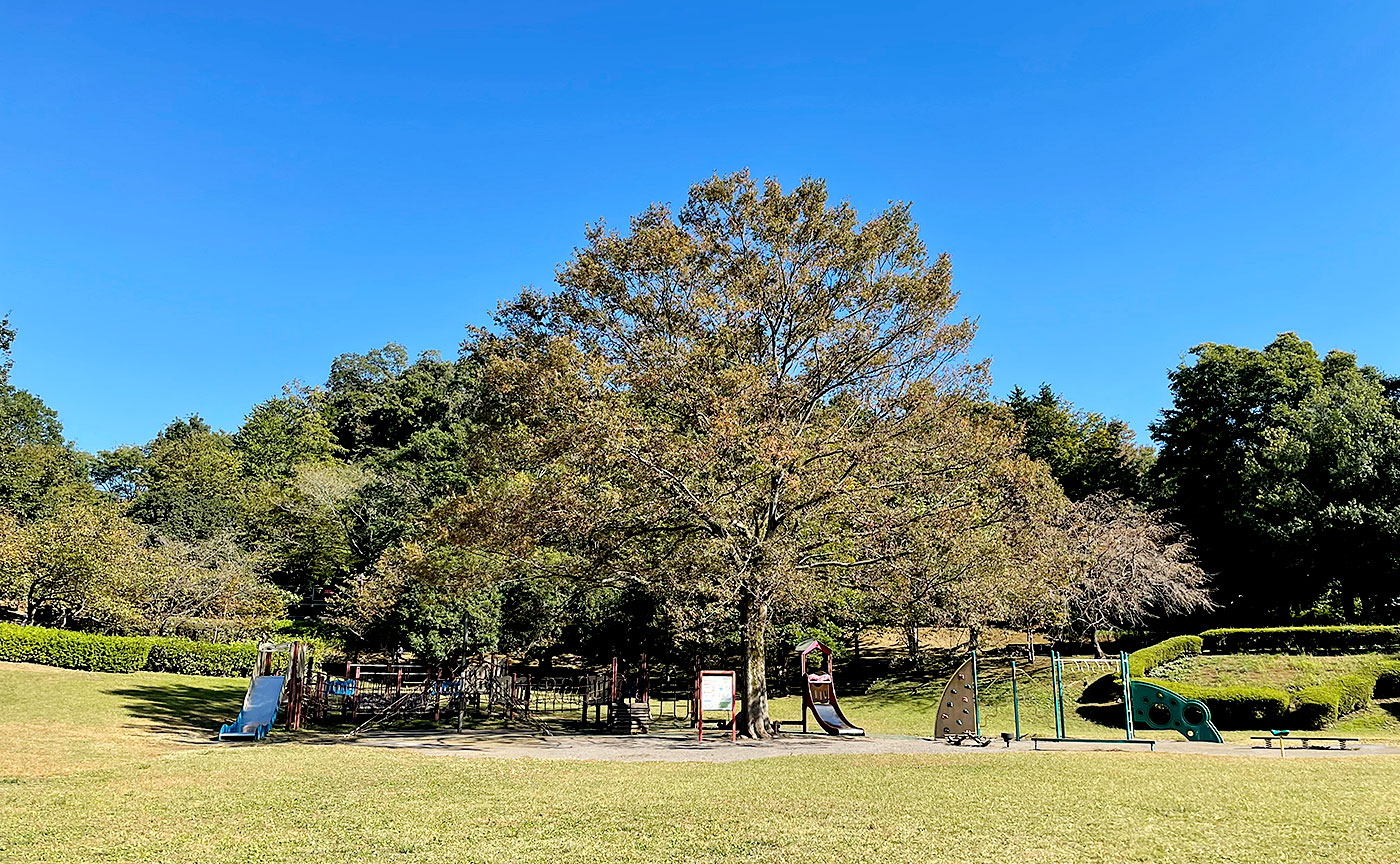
(1156, 707)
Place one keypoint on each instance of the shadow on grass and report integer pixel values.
(1391, 707)
(181, 708)
(1104, 715)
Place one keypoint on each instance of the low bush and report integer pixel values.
(1387, 680)
(187, 657)
(1315, 707)
(98, 653)
(1317, 639)
(1144, 660)
(72, 650)
(1354, 692)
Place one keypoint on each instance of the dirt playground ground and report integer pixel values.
(676, 747)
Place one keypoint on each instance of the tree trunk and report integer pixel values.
(911, 640)
(1094, 637)
(974, 640)
(1030, 647)
(753, 622)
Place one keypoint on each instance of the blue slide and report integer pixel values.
(259, 709)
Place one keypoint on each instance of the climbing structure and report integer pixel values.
(958, 714)
(1156, 707)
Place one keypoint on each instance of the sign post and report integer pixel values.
(715, 690)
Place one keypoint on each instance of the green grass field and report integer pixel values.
(118, 768)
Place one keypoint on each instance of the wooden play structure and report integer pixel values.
(285, 685)
(278, 682)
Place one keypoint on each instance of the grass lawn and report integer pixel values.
(103, 768)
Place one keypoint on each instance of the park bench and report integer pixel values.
(1307, 740)
(1150, 742)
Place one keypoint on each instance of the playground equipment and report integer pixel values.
(959, 710)
(268, 691)
(1057, 677)
(1156, 707)
(1145, 704)
(819, 694)
(620, 699)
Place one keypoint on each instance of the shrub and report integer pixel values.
(1355, 692)
(1144, 660)
(72, 650)
(1318, 639)
(97, 653)
(1387, 680)
(1315, 707)
(188, 657)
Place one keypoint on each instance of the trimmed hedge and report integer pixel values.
(1318, 639)
(1316, 707)
(188, 657)
(95, 653)
(1144, 660)
(72, 650)
(1387, 680)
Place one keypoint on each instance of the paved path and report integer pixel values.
(679, 748)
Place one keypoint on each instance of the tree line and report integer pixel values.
(748, 419)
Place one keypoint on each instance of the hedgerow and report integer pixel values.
(1387, 680)
(72, 650)
(1235, 706)
(187, 657)
(1313, 639)
(1144, 660)
(1315, 707)
(96, 653)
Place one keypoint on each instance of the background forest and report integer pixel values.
(749, 420)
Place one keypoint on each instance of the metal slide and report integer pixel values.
(259, 709)
(830, 718)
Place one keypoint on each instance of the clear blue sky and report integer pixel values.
(199, 202)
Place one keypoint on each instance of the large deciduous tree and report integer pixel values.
(1126, 566)
(745, 396)
(1285, 468)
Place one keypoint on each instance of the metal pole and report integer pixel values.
(976, 700)
(1127, 692)
(1015, 702)
(1059, 701)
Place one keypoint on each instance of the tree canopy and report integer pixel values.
(732, 424)
(1285, 467)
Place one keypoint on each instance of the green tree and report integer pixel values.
(416, 421)
(78, 566)
(40, 471)
(7, 341)
(1285, 468)
(1087, 452)
(750, 398)
(186, 483)
(282, 433)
